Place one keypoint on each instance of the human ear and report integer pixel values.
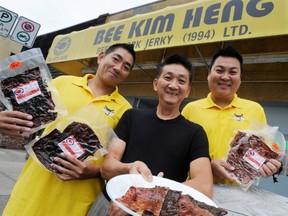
(100, 57)
(155, 82)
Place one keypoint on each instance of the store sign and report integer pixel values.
(193, 23)
(7, 20)
(25, 32)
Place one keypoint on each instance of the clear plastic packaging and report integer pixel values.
(250, 149)
(25, 85)
(85, 134)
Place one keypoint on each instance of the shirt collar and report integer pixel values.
(234, 103)
(84, 83)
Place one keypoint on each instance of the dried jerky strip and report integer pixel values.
(148, 201)
(144, 200)
(212, 209)
(46, 148)
(40, 107)
(169, 206)
(186, 207)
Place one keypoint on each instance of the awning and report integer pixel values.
(187, 24)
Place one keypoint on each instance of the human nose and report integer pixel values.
(173, 84)
(118, 67)
(225, 76)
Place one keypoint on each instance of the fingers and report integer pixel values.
(227, 166)
(138, 167)
(147, 175)
(67, 159)
(222, 170)
(160, 174)
(270, 168)
(69, 166)
(62, 168)
(14, 123)
(7, 127)
(74, 169)
(15, 134)
(64, 177)
(229, 176)
(17, 115)
(275, 163)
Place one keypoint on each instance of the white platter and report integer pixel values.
(118, 186)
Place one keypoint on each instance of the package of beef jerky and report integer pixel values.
(250, 149)
(25, 85)
(85, 135)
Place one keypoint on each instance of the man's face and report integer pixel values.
(173, 84)
(114, 67)
(224, 78)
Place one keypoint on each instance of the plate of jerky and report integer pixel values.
(133, 194)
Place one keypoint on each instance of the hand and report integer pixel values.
(222, 169)
(15, 124)
(270, 168)
(74, 169)
(138, 167)
(160, 174)
(114, 210)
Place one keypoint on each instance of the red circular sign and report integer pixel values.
(28, 26)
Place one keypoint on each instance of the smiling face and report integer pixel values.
(172, 85)
(224, 79)
(114, 67)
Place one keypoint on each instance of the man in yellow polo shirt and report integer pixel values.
(41, 192)
(223, 112)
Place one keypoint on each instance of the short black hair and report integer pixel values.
(128, 47)
(228, 51)
(176, 59)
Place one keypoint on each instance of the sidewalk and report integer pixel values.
(11, 164)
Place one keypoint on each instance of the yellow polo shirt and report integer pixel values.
(38, 191)
(221, 123)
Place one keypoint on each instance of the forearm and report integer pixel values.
(205, 187)
(112, 167)
(201, 176)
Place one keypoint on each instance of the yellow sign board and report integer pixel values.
(197, 22)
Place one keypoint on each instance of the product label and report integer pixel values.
(15, 65)
(254, 159)
(71, 146)
(26, 91)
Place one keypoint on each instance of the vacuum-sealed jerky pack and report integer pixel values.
(25, 85)
(84, 134)
(250, 149)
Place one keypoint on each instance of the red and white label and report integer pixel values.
(26, 91)
(71, 146)
(254, 159)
